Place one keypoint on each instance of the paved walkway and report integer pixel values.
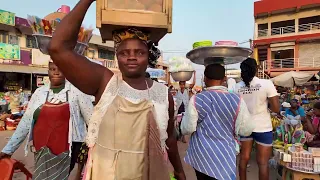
(28, 161)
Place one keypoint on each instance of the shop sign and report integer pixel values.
(7, 18)
(40, 59)
(9, 51)
(42, 80)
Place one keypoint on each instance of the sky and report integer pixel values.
(193, 20)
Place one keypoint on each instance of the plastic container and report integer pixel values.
(8, 167)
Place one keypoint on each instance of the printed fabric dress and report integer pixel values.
(127, 134)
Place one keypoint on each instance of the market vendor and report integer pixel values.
(295, 110)
(55, 120)
(133, 104)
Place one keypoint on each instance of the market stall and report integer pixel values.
(291, 79)
(293, 158)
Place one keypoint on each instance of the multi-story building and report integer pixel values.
(23, 65)
(287, 35)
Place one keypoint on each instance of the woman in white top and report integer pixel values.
(257, 93)
(183, 95)
(182, 100)
(132, 126)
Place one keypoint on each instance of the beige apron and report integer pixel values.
(128, 145)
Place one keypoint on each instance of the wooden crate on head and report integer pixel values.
(153, 16)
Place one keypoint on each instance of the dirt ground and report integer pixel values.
(28, 161)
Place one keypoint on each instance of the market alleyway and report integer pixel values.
(28, 161)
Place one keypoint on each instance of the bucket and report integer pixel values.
(8, 167)
(64, 9)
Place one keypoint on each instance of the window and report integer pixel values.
(14, 40)
(106, 54)
(90, 53)
(3, 37)
(31, 42)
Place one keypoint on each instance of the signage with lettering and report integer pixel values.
(9, 51)
(7, 18)
(42, 80)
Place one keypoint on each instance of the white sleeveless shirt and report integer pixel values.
(157, 93)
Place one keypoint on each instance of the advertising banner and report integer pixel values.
(7, 18)
(9, 51)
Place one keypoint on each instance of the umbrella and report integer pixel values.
(291, 79)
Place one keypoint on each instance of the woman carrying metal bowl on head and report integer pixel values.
(182, 98)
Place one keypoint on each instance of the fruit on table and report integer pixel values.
(275, 122)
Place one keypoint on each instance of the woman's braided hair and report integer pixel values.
(248, 70)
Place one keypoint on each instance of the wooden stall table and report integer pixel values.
(299, 175)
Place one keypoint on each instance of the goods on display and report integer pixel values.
(177, 64)
(47, 27)
(276, 122)
(43, 30)
(156, 73)
(202, 44)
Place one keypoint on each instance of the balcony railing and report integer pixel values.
(263, 33)
(313, 62)
(112, 64)
(308, 62)
(289, 29)
(283, 30)
(309, 27)
(282, 63)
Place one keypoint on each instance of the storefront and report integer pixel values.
(17, 69)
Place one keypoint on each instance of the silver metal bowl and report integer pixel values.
(182, 75)
(230, 54)
(44, 40)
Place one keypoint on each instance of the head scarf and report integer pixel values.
(131, 33)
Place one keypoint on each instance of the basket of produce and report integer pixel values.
(223, 52)
(44, 40)
(181, 69)
(43, 30)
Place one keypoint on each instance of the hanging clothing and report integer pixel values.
(50, 134)
(139, 153)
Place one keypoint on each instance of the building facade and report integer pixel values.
(287, 35)
(22, 65)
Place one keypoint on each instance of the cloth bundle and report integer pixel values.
(178, 64)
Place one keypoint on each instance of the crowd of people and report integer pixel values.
(132, 130)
